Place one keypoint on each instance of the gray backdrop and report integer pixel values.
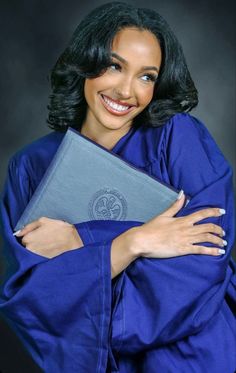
(35, 32)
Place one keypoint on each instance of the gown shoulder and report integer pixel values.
(34, 158)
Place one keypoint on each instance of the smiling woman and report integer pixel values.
(113, 295)
(93, 50)
(125, 89)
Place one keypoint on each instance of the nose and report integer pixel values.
(123, 89)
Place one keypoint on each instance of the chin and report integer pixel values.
(114, 127)
(115, 123)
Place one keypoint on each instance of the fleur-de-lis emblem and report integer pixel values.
(107, 204)
(107, 208)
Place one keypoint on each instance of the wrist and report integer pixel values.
(76, 239)
(132, 242)
(122, 252)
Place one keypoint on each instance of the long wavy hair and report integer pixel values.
(88, 54)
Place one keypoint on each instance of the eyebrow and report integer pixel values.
(121, 59)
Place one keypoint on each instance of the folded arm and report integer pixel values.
(59, 307)
(164, 300)
(159, 301)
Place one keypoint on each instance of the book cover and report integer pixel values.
(86, 182)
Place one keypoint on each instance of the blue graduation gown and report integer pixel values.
(159, 315)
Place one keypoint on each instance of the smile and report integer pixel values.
(114, 107)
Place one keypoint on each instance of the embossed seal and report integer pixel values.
(107, 204)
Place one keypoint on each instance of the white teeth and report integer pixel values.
(115, 106)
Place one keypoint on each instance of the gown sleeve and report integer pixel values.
(60, 307)
(160, 301)
(164, 300)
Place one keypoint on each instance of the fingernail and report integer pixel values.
(222, 211)
(223, 233)
(180, 195)
(17, 232)
(225, 242)
(221, 251)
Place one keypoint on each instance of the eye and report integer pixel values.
(114, 66)
(149, 78)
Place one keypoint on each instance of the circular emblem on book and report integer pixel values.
(108, 204)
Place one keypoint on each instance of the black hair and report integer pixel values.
(89, 53)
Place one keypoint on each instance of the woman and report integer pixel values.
(123, 82)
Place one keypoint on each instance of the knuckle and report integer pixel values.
(214, 252)
(205, 250)
(213, 228)
(204, 214)
(217, 212)
(199, 215)
(212, 212)
(220, 242)
(202, 251)
(217, 241)
(197, 249)
(220, 229)
(24, 241)
(209, 237)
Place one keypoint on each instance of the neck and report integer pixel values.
(103, 136)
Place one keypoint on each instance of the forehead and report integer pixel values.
(132, 43)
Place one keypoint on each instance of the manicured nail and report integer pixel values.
(180, 195)
(221, 251)
(17, 232)
(223, 233)
(225, 242)
(222, 211)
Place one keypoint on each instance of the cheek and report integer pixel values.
(145, 96)
(91, 87)
(87, 90)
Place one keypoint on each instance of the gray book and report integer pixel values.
(86, 182)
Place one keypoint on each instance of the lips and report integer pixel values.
(116, 107)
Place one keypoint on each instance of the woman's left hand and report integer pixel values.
(50, 237)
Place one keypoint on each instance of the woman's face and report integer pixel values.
(125, 89)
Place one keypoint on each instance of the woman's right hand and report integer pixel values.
(166, 236)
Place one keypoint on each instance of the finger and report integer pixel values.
(208, 228)
(27, 238)
(207, 250)
(209, 237)
(176, 206)
(205, 213)
(28, 228)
